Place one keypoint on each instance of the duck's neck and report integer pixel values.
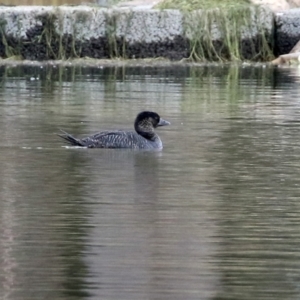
(149, 135)
(146, 131)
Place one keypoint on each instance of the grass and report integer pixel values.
(189, 5)
(232, 19)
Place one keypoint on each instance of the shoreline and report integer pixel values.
(103, 63)
(61, 33)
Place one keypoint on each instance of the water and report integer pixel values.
(59, 2)
(215, 215)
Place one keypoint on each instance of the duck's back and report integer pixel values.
(120, 139)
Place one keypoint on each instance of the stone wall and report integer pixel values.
(287, 30)
(40, 33)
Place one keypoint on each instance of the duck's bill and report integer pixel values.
(163, 122)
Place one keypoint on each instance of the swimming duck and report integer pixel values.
(144, 136)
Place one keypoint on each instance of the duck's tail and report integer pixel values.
(71, 139)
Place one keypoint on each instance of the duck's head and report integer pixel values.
(146, 121)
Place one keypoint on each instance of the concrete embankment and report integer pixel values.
(41, 33)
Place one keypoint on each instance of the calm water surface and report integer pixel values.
(57, 2)
(215, 215)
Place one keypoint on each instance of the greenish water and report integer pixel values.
(215, 215)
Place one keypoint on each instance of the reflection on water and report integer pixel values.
(215, 215)
(54, 2)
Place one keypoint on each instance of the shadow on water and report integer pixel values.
(215, 215)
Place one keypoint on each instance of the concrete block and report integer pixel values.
(287, 32)
(148, 26)
(82, 22)
(18, 20)
(261, 19)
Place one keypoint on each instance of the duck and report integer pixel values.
(144, 136)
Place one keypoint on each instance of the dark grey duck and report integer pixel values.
(144, 136)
